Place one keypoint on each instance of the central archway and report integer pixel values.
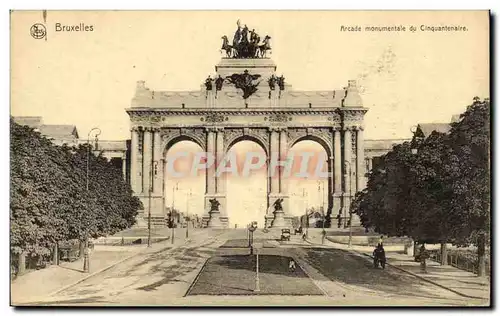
(309, 194)
(247, 187)
(184, 190)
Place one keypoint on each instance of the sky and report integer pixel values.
(88, 78)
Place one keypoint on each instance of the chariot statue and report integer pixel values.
(246, 44)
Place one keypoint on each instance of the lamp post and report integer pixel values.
(175, 188)
(188, 196)
(86, 259)
(350, 199)
(415, 143)
(153, 167)
(321, 185)
(304, 194)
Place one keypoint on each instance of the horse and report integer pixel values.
(261, 49)
(225, 46)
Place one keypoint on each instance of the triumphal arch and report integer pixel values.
(246, 100)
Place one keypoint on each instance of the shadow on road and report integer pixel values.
(343, 266)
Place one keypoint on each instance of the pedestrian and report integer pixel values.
(291, 265)
(381, 241)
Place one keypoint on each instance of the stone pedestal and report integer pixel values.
(140, 221)
(215, 219)
(356, 221)
(279, 220)
(275, 219)
(262, 66)
(269, 220)
(157, 209)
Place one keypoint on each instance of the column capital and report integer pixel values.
(135, 128)
(210, 129)
(349, 128)
(148, 129)
(277, 129)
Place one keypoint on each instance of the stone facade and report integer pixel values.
(276, 119)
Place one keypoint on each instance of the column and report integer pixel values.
(337, 180)
(124, 166)
(337, 163)
(360, 159)
(219, 156)
(210, 172)
(213, 215)
(348, 167)
(331, 169)
(274, 150)
(282, 157)
(370, 163)
(146, 158)
(221, 178)
(158, 176)
(134, 149)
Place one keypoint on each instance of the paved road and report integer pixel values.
(163, 277)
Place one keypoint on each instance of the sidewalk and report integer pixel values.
(459, 281)
(37, 284)
(453, 279)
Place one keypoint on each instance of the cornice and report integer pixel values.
(242, 111)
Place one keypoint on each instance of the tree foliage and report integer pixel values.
(441, 193)
(49, 201)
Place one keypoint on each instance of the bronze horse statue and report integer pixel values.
(262, 49)
(225, 46)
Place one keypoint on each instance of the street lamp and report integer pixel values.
(350, 199)
(175, 188)
(322, 184)
(416, 140)
(86, 259)
(153, 167)
(98, 132)
(306, 220)
(251, 228)
(188, 196)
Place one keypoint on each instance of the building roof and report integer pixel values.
(59, 131)
(112, 145)
(428, 128)
(31, 121)
(382, 144)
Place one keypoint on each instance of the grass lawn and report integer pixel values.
(235, 275)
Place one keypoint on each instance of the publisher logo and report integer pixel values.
(38, 31)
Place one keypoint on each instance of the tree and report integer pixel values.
(383, 204)
(441, 194)
(38, 185)
(49, 201)
(469, 177)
